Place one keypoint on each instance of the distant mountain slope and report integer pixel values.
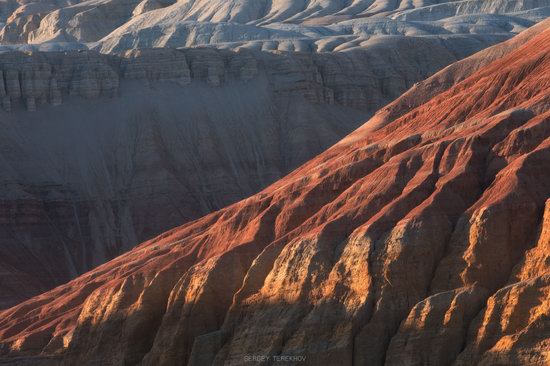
(421, 241)
(313, 26)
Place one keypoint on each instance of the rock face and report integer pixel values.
(284, 25)
(177, 132)
(363, 79)
(418, 240)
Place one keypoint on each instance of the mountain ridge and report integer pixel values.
(313, 26)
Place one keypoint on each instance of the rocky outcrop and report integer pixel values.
(31, 79)
(364, 80)
(417, 242)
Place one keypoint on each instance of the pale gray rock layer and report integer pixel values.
(314, 26)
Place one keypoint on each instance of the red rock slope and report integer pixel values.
(423, 240)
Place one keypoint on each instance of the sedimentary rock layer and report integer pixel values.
(418, 241)
(363, 79)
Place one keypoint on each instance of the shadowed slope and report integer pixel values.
(180, 133)
(420, 242)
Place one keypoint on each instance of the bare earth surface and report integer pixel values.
(420, 239)
(284, 25)
(107, 142)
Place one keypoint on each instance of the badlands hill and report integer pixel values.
(94, 142)
(286, 25)
(420, 239)
(101, 152)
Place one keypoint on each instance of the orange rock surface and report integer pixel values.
(420, 239)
